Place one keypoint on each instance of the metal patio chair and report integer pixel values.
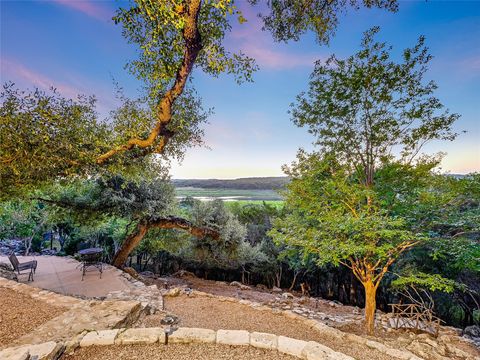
(28, 265)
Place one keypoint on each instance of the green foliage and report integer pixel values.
(44, 136)
(367, 107)
(333, 216)
(157, 28)
(136, 117)
(20, 219)
(288, 19)
(432, 282)
(230, 251)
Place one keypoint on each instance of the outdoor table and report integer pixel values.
(91, 251)
(91, 257)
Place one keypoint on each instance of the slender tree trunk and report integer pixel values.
(370, 305)
(292, 285)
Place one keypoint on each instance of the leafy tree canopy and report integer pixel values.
(289, 19)
(367, 107)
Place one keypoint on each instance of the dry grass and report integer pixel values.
(20, 314)
(176, 352)
(214, 314)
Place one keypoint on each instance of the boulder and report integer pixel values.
(6, 271)
(261, 287)
(287, 295)
(173, 292)
(276, 290)
(472, 331)
(240, 285)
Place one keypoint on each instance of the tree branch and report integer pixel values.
(193, 45)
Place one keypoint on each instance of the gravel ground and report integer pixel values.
(20, 314)
(214, 314)
(176, 352)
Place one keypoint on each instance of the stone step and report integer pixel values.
(93, 315)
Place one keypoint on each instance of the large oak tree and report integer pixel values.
(173, 37)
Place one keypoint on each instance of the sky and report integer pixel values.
(75, 47)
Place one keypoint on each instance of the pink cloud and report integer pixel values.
(277, 60)
(70, 85)
(89, 8)
(18, 73)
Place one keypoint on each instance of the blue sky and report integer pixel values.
(74, 46)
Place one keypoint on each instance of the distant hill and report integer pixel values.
(253, 183)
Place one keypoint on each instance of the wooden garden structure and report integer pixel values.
(415, 317)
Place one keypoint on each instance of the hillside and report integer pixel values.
(253, 183)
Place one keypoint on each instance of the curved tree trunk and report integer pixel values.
(144, 225)
(193, 45)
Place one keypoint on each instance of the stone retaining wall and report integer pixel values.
(80, 315)
(308, 350)
(319, 326)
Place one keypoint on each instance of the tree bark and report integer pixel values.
(144, 225)
(370, 305)
(193, 45)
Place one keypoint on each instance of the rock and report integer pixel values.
(233, 337)
(261, 287)
(303, 300)
(189, 335)
(472, 331)
(6, 271)
(184, 273)
(173, 292)
(139, 336)
(287, 295)
(148, 274)
(276, 290)
(102, 337)
(170, 320)
(264, 340)
(290, 346)
(240, 285)
(15, 354)
(316, 351)
(46, 351)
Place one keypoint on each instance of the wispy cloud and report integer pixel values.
(14, 71)
(276, 60)
(87, 7)
(26, 77)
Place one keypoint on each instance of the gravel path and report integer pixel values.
(20, 314)
(214, 314)
(176, 352)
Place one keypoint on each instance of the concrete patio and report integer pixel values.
(63, 275)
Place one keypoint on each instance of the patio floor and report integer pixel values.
(63, 275)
